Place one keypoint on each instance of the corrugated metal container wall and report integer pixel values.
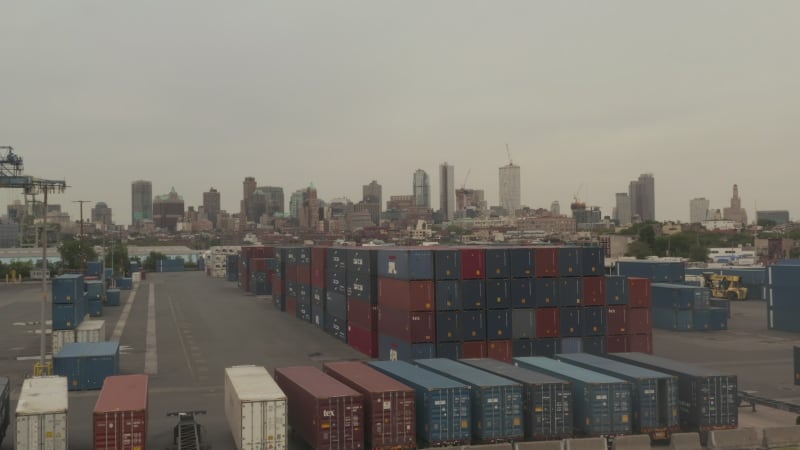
(498, 263)
(547, 322)
(594, 291)
(318, 306)
(640, 320)
(405, 264)
(325, 413)
(336, 258)
(67, 288)
(546, 347)
(255, 408)
(393, 349)
(602, 404)
(91, 331)
(389, 406)
(617, 320)
(411, 326)
(474, 349)
(522, 293)
(41, 415)
(522, 262)
(639, 292)
(94, 289)
(654, 395)
(62, 337)
(593, 321)
(86, 365)
(472, 325)
(523, 323)
(447, 329)
(708, 399)
(448, 295)
(547, 401)
(119, 421)
(473, 264)
(570, 322)
(569, 292)
(546, 264)
(67, 316)
(595, 345)
(569, 262)
(640, 343)
(5, 406)
(407, 295)
(498, 324)
(496, 402)
(500, 350)
(616, 290)
(362, 261)
(473, 294)
(336, 281)
(319, 266)
(617, 344)
(363, 287)
(446, 264)
(443, 405)
(593, 261)
(545, 292)
(113, 297)
(363, 339)
(498, 294)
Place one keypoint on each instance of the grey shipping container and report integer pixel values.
(443, 405)
(325, 413)
(87, 364)
(708, 399)
(496, 401)
(5, 406)
(546, 401)
(389, 406)
(602, 404)
(654, 395)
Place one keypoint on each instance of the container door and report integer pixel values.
(647, 410)
(251, 425)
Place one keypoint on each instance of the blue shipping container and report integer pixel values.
(593, 320)
(450, 350)
(546, 347)
(496, 402)
(362, 287)
(405, 264)
(67, 316)
(522, 293)
(87, 364)
(94, 268)
(336, 304)
(571, 345)
(545, 292)
(362, 261)
(393, 349)
(446, 264)
(522, 347)
(447, 326)
(336, 258)
(443, 405)
(616, 290)
(448, 295)
(570, 322)
(336, 281)
(113, 297)
(569, 262)
(593, 261)
(498, 263)
(472, 325)
(596, 345)
(522, 262)
(336, 327)
(498, 294)
(569, 291)
(94, 308)
(67, 288)
(498, 324)
(94, 289)
(473, 294)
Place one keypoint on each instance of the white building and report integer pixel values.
(721, 225)
(698, 210)
(510, 188)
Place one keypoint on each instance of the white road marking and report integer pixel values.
(151, 354)
(123, 317)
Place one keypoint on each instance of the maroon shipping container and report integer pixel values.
(617, 320)
(500, 350)
(319, 266)
(594, 291)
(639, 294)
(325, 413)
(411, 326)
(640, 320)
(617, 344)
(291, 272)
(277, 284)
(363, 339)
(547, 322)
(244, 274)
(642, 343)
(120, 414)
(291, 306)
(257, 265)
(389, 406)
(362, 313)
(474, 349)
(473, 264)
(545, 261)
(406, 295)
(304, 274)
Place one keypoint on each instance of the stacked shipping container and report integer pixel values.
(685, 308)
(362, 299)
(639, 315)
(782, 302)
(335, 306)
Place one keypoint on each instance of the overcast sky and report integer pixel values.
(588, 95)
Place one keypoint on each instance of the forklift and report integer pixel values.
(725, 286)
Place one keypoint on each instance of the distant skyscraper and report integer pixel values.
(735, 213)
(248, 188)
(373, 199)
(168, 210)
(101, 215)
(555, 208)
(698, 210)
(309, 212)
(296, 203)
(510, 188)
(141, 201)
(422, 189)
(623, 209)
(643, 197)
(212, 205)
(447, 192)
(780, 217)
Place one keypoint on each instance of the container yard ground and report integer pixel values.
(204, 325)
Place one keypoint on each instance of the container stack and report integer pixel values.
(260, 271)
(217, 264)
(256, 409)
(94, 297)
(94, 269)
(406, 304)
(253, 269)
(335, 306)
(782, 302)
(640, 315)
(686, 308)
(656, 271)
(278, 280)
(362, 299)
(86, 365)
(320, 260)
(232, 268)
(69, 304)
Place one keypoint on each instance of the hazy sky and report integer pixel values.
(588, 94)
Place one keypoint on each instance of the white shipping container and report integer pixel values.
(91, 331)
(61, 338)
(41, 416)
(256, 409)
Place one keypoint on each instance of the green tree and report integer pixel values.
(794, 234)
(152, 259)
(73, 254)
(639, 249)
(119, 252)
(698, 253)
(794, 253)
(648, 235)
(767, 224)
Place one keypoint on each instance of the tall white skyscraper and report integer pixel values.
(447, 192)
(422, 189)
(698, 210)
(509, 188)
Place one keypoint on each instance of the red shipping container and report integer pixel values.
(120, 414)
(277, 284)
(547, 322)
(411, 326)
(639, 294)
(325, 413)
(303, 274)
(545, 262)
(473, 264)
(363, 339)
(501, 351)
(319, 261)
(291, 306)
(594, 291)
(474, 349)
(640, 320)
(291, 272)
(389, 406)
(617, 320)
(617, 344)
(406, 295)
(642, 343)
(362, 313)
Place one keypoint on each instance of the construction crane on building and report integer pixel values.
(576, 203)
(508, 152)
(466, 177)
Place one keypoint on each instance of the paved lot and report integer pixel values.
(203, 325)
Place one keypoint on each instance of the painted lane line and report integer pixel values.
(123, 317)
(151, 352)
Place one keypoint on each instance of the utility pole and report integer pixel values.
(83, 253)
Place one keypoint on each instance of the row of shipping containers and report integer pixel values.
(782, 302)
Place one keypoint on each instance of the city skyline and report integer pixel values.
(577, 100)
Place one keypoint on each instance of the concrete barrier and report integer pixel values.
(738, 439)
(539, 445)
(685, 441)
(503, 446)
(597, 443)
(631, 442)
(782, 437)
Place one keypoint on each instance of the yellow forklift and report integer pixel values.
(725, 286)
